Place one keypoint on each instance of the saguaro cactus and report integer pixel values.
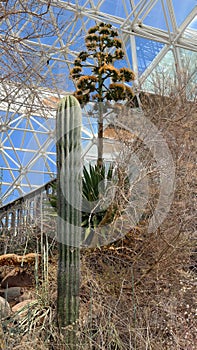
(69, 214)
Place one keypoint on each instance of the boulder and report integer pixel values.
(4, 308)
(17, 260)
(24, 307)
(11, 294)
(17, 278)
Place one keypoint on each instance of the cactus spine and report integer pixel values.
(68, 130)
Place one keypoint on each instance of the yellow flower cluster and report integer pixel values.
(108, 68)
(127, 74)
(118, 91)
(87, 82)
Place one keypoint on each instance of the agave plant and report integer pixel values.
(101, 194)
(98, 207)
(99, 185)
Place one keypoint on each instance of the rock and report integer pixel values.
(17, 278)
(4, 308)
(16, 260)
(24, 307)
(25, 295)
(11, 294)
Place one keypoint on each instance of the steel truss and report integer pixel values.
(39, 46)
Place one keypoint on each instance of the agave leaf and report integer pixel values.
(87, 232)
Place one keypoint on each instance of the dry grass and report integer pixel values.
(138, 293)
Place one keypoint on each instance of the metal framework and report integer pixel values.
(39, 41)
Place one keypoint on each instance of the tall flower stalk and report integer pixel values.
(105, 82)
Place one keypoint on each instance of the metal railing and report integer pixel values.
(26, 211)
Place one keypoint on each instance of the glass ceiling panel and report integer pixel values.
(193, 24)
(156, 17)
(163, 77)
(182, 9)
(158, 80)
(153, 34)
(147, 50)
(120, 8)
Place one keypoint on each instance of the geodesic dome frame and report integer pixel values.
(39, 42)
